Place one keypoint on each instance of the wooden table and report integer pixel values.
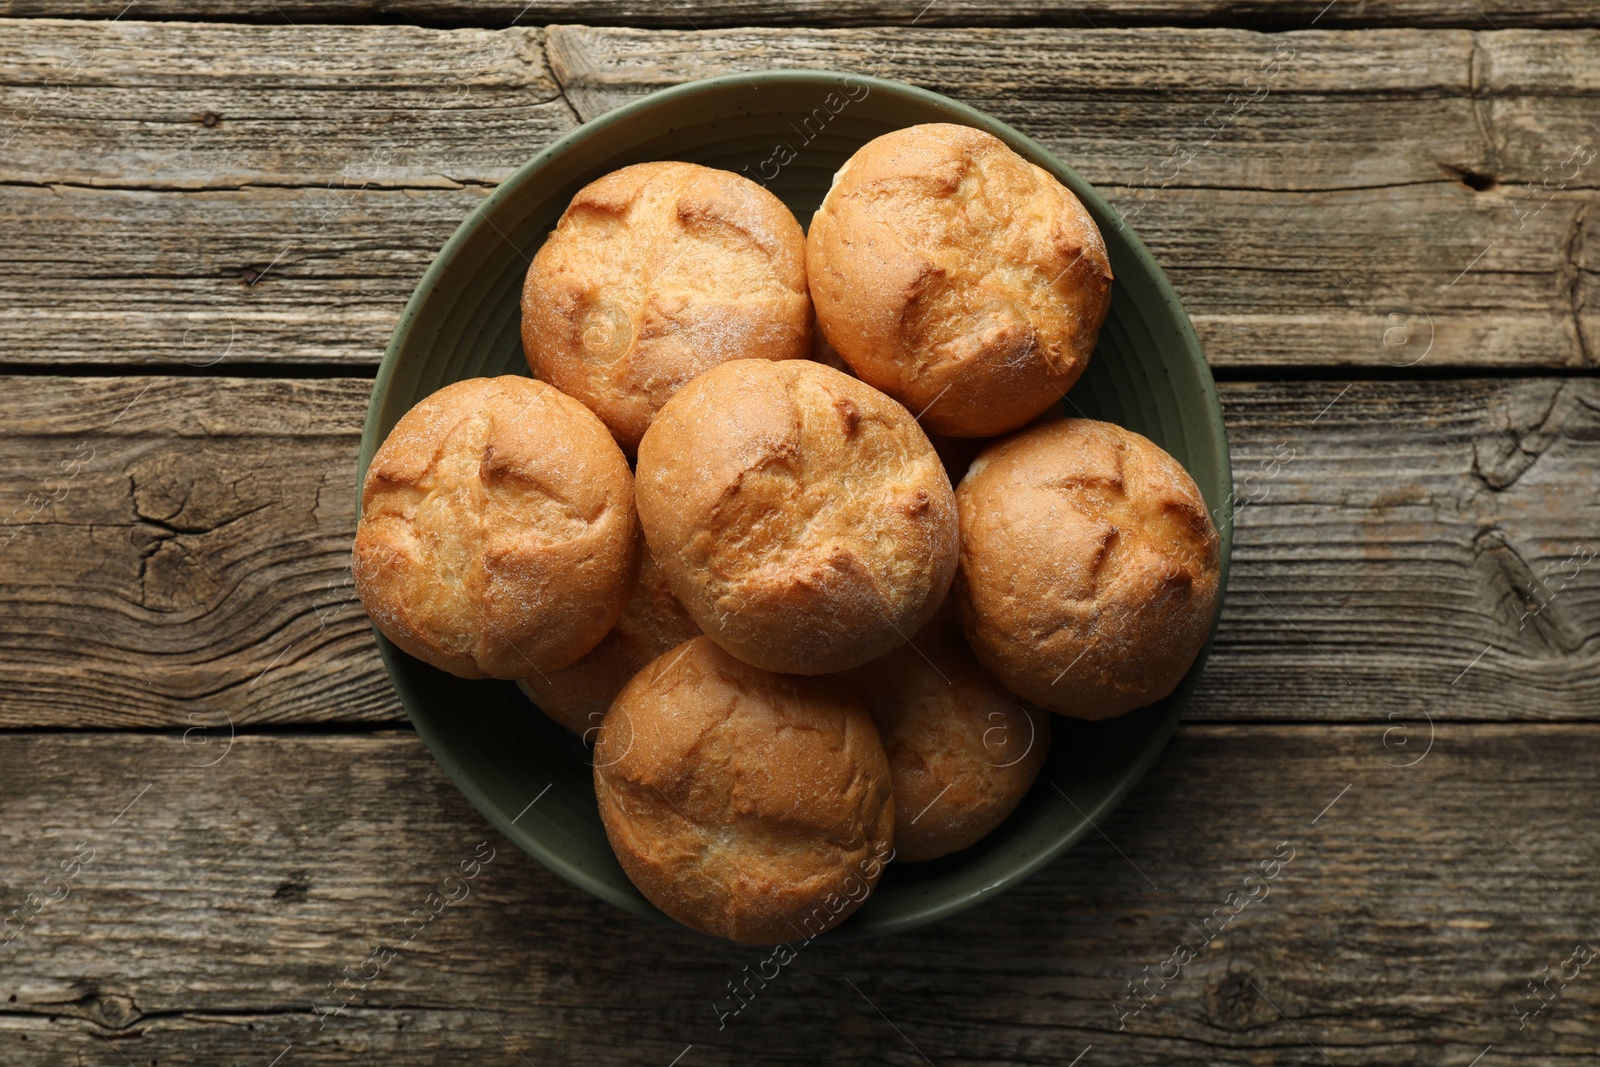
(1382, 216)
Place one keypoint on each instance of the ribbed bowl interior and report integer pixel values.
(793, 129)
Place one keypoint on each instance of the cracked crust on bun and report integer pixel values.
(1089, 567)
(957, 277)
(498, 534)
(801, 516)
(744, 804)
(657, 273)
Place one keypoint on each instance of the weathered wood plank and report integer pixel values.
(182, 546)
(1427, 529)
(1258, 14)
(287, 276)
(401, 105)
(1375, 278)
(221, 901)
(1294, 233)
(179, 545)
(192, 106)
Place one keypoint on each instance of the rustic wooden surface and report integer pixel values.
(1273, 14)
(270, 194)
(222, 899)
(209, 228)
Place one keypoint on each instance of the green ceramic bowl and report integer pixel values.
(791, 130)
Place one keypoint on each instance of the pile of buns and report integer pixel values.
(818, 622)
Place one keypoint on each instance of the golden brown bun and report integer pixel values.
(958, 277)
(497, 533)
(653, 622)
(1089, 567)
(656, 273)
(963, 752)
(800, 515)
(745, 804)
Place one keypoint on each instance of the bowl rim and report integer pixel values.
(913, 914)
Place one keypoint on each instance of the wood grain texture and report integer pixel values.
(222, 901)
(178, 546)
(1257, 14)
(1416, 550)
(192, 105)
(1300, 230)
(183, 544)
(285, 276)
(184, 106)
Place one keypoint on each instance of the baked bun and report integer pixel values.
(656, 273)
(800, 515)
(497, 533)
(963, 751)
(653, 622)
(957, 277)
(744, 804)
(1089, 567)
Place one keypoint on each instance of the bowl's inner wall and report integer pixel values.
(791, 131)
